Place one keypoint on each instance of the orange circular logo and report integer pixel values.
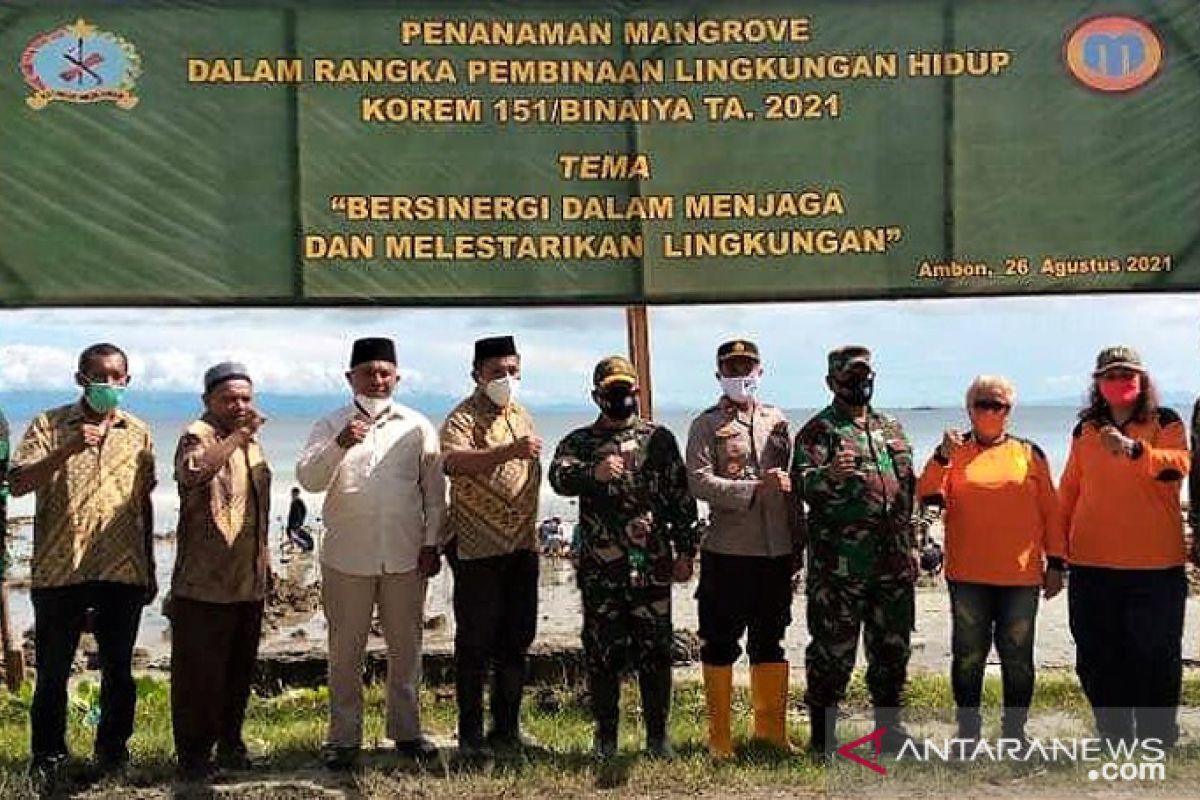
(1113, 54)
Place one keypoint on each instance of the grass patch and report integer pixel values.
(287, 731)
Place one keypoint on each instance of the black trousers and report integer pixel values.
(1128, 629)
(214, 647)
(58, 618)
(740, 594)
(495, 612)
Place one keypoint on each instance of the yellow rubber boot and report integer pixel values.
(769, 695)
(718, 692)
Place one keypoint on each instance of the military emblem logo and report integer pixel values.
(79, 63)
(1113, 54)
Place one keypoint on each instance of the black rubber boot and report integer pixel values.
(970, 724)
(606, 695)
(895, 735)
(1012, 723)
(655, 687)
(822, 739)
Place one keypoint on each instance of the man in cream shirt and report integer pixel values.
(385, 503)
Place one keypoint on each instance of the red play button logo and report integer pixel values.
(872, 762)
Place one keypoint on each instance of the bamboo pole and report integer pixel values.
(637, 323)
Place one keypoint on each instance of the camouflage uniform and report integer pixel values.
(628, 527)
(860, 568)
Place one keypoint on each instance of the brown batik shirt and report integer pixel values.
(92, 517)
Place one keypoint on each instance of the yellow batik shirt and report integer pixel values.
(492, 513)
(90, 522)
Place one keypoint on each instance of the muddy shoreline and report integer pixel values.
(294, 637)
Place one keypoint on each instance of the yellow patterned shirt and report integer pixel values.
(90, 522)
(492, 513)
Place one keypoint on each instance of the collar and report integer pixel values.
(1005, 438)
(392, 411)
(839, 412)
(78, 413)
(631, 423)
(484, 403)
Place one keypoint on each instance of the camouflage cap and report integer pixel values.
(738, 348)
(843, 358)
(614, 369)
(1119, 357)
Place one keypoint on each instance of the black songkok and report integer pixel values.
(373, 349)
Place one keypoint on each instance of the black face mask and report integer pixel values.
(855, 390)
(617, 402)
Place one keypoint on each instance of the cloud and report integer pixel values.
(927, 351)
(30, 366)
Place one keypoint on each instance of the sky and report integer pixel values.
(926, 351)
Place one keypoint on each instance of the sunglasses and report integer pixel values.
(1119, 375)
(995, 406)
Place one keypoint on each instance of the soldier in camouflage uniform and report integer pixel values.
(638, 533)
(853, 468)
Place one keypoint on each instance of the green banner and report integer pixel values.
(525, 153)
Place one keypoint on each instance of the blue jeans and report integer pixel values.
(983, 615)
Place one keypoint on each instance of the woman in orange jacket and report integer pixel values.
(1004, 543)
(1125, 546)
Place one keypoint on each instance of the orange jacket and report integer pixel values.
(1002, 516)
(1123, 511)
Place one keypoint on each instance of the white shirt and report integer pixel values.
(384, 498)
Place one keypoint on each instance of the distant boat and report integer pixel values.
(923, 408)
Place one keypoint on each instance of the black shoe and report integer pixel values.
(420, 749)
(200, 771)
(339, 759)
(48, 771)
(660, 749)
(475, 750)
(604, 747)
(235, 760)
(112, 763)
(512, 744)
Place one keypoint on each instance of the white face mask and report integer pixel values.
(503, 391)
(374, 406)
(740, 390)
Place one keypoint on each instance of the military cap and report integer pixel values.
(1120, 357)
(738, 348)
(614, 369)
(843, 358)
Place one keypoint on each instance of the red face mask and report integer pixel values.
(1121, 391)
